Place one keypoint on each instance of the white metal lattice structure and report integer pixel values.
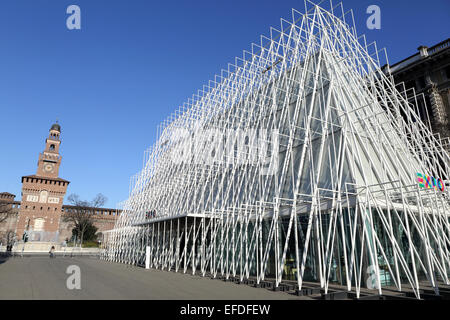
(318, 178)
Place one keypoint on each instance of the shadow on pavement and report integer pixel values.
(4, 256)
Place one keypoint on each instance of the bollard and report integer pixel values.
(147, 257)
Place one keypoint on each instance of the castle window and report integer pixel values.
(39, 224)
(52, 147)
(43, 196)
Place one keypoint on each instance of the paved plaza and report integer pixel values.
(40, 277)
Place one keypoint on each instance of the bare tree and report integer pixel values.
(5, 211)
(82, 216)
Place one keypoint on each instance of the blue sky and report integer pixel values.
(134, 62)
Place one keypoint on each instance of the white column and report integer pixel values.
(147, 257)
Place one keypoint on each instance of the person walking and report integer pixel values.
(52, 252)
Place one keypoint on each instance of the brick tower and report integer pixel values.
(43, 194)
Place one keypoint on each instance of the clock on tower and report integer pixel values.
(43, 194)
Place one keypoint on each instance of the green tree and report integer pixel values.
(89, 233)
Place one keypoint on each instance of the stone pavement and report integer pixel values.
(39, 277)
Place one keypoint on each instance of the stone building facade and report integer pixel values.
(103, 218)
(428, 73)
(40, 214)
